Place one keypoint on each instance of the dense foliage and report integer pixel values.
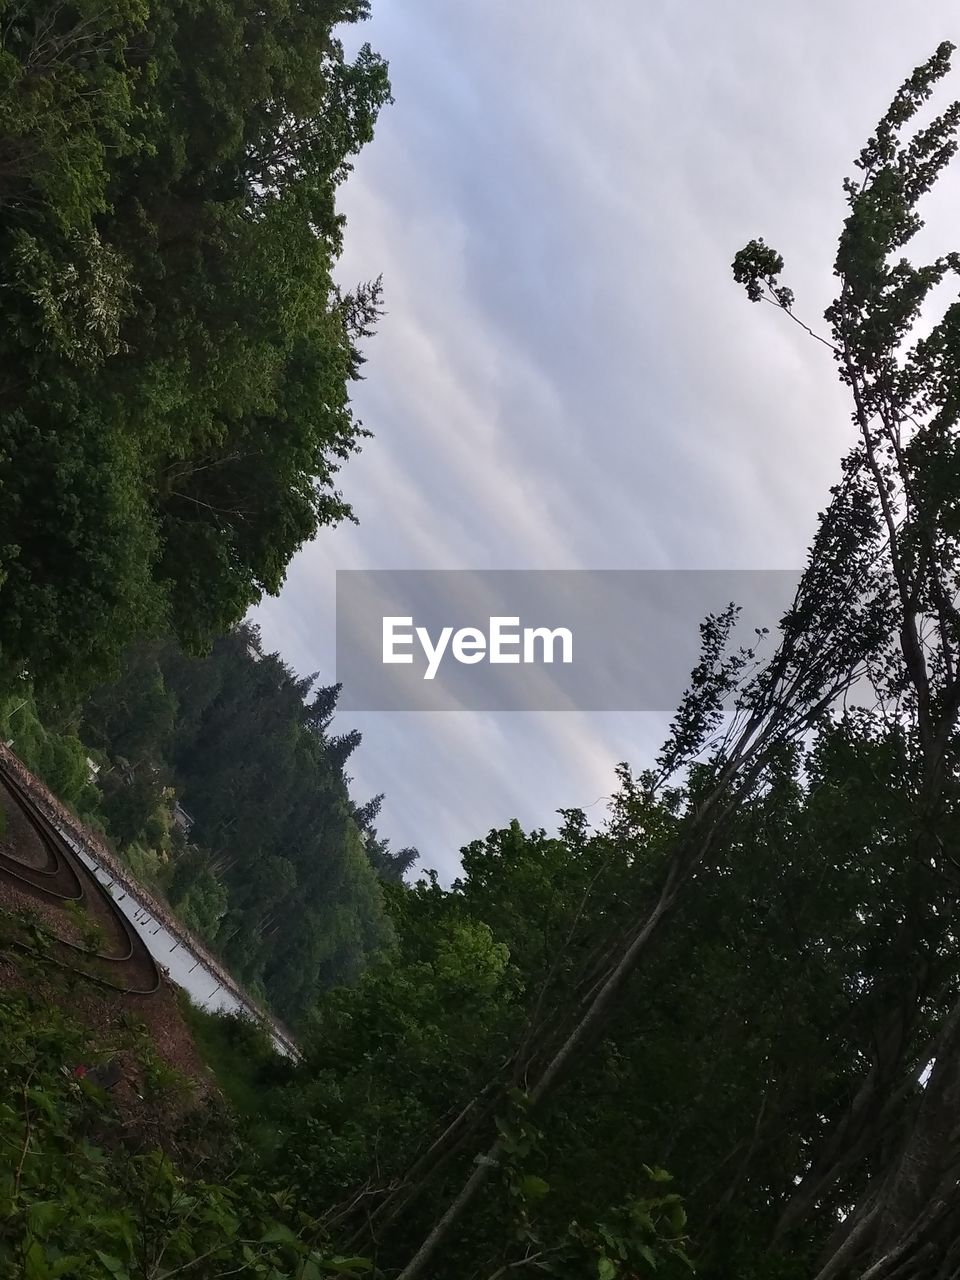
(279, 871)
(733, 1058)
(88, 1191)
(278, 868)
(175, 357)
(720, 1031)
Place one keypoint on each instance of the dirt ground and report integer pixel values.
(18, 837)
(108, 1014)
(162, 913)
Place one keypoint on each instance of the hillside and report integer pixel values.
(221, 785)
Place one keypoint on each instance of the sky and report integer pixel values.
(566, 376)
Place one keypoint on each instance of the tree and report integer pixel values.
(280, 874)
(738, 1046)
(176, 358)
(874, 609)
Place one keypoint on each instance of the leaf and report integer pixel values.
(114, 1265)
(534, 1188)
(656, 1174)
(641, 1217)
(510, 1138)
(64, 1266)
(43, 1214)
(35, 1263)
(279, 1234)
(606, 1269)
(41, 1099)
(93, 1091)
(348, 1266)
(184, 1205)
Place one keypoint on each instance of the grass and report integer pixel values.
(239, 1054)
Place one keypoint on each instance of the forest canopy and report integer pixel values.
(278, 869)
(175, 356)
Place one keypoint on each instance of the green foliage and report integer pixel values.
(60, 69)
(402, 1047)
(739, 1042)
(773, 1048)
(175, 406)
(60, 759)
(76, 1201)
(130, 805)
(239, 1052)
(276, 873)
(642, 1236)
(201, 901)
(757, 267)
(147, 865)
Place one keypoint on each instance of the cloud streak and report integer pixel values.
(567, 376)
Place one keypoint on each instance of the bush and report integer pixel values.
(80, 1203)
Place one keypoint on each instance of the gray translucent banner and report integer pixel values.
(536, 640)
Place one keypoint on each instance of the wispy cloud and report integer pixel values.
(567, 376)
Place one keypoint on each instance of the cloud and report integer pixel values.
(567, 376)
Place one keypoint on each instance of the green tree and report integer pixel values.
(279, 872)
(176, 357)
(874, 610)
